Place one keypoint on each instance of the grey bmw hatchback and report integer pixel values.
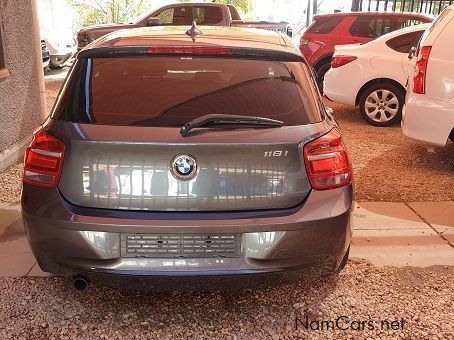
(174, 159)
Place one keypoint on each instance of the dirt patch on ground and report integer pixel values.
(391, 167)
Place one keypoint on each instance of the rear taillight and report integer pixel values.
(44, 160)
(189, 50)
(327, 162)
(419, 80)
(341, 60)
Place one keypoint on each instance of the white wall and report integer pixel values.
(56, 18)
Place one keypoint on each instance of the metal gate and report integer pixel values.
(432, 7)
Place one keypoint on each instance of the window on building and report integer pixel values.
(2, 49)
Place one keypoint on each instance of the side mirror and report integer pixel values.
(412, 52)
(153, 21)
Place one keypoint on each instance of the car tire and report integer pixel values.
(381, 104)
(321, 71)
(55, 67)
(329, 265)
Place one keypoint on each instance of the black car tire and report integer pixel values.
(396, 96)
(55, 67)
(321, 71)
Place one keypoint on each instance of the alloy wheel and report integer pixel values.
(381, 105)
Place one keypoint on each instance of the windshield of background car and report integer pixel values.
(325, 25)
(170, 91)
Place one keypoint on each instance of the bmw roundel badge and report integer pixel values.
(184, 167)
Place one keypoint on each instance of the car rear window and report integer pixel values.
(170, 91)
(371, 27)
(325, 25)
(405, 42)
(185, 15)
(207, 15)
(406, 22)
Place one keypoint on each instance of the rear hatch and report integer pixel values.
(120, 120)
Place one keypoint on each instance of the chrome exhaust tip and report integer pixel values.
(80, 283)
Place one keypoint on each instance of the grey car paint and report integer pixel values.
(244, 178)
(284, 228)
(73, 244)
(70, 240)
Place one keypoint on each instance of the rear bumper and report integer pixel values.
(427, 120)
(61, 59)
(69, 244)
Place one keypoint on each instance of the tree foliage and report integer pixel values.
(92, 12)
(244, 6)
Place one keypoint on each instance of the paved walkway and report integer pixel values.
(395, 234)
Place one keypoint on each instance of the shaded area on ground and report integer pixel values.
(391, 167)
(42, 308)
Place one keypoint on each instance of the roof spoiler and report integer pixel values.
(197, 51)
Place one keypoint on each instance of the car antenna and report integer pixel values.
(194, 31)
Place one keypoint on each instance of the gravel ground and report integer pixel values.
(391, 167)
(47, 308)
(11, 184)
(388, 166)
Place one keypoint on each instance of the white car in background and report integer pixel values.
(428, 114)
(373, 76)
(61, 50)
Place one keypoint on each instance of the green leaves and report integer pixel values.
(244, 6)
(92, 12)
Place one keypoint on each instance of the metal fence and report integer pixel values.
(432, 7)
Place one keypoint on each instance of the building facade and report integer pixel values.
(22, 94)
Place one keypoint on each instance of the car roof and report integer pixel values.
(402, 31)
(381, 40)
(215, 36)
(399, 14)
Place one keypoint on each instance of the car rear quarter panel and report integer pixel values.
(321, 45)
(440, 69)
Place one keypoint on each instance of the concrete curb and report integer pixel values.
(14, 153)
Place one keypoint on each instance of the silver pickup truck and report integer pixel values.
(208, 14)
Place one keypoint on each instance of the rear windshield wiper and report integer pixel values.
(229, 120)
